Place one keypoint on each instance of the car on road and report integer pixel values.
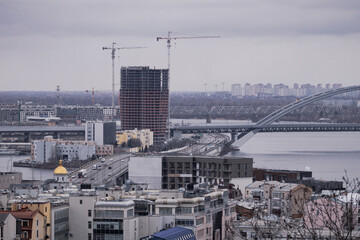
(102, 160)
(110, 167)
(92, 179)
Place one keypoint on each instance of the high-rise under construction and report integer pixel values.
(144, 98)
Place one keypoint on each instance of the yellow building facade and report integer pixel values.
(144, 135)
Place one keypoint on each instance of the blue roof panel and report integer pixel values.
(176, 233)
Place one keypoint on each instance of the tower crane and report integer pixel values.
(93, 95)
(113, 49)
(168, 40)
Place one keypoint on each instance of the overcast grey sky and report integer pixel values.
(48, 43)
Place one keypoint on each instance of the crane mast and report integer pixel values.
(168, 40)
(113, 49)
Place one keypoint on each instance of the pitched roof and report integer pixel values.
(175, 233)
(3, 217)
(27, 214)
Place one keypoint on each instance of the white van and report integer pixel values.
(94, 167)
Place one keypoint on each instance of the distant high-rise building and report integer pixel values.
(144, 99)
(236, 90)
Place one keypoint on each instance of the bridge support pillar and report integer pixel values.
(208, 119)
(28, 137)
(177, 134)
(233, 137)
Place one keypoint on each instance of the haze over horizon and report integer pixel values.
(47, 43)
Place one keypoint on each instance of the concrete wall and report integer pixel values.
(9, 228)
(241, 183)
(146, 169)
(99, 133)
(78, 216)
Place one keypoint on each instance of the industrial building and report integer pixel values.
(144, 99)
(49, 149)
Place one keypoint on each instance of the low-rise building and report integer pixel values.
(145, 136)
(281, 198)
(320, 185)
(262, 174)
(52, 149)
(41, 205)
(75, 150)
(104, 150)
(7, 226)
(287, 199)
(32, 224)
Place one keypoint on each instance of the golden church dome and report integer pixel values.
(60, 169)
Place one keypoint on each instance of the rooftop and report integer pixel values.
(175, 233)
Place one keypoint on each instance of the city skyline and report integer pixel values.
(46, 44)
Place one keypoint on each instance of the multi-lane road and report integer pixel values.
(103, 171)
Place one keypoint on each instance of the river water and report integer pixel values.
(27, 173)
(327, 154)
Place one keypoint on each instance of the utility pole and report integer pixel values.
(113, 50)
(168, 40)
(205, 84)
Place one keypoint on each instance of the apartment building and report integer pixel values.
(178, 171)
(7, 226)
(32, 224)
(282, 198)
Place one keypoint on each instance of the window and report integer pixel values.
(165, 211)
(37, 233)
(130, 213)
(208, 218)
(89, 236)
(89, 224)
(25, 223)
(80, 202)
(185, 222)
(89, 213)
(183, 210)
(199, 221)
